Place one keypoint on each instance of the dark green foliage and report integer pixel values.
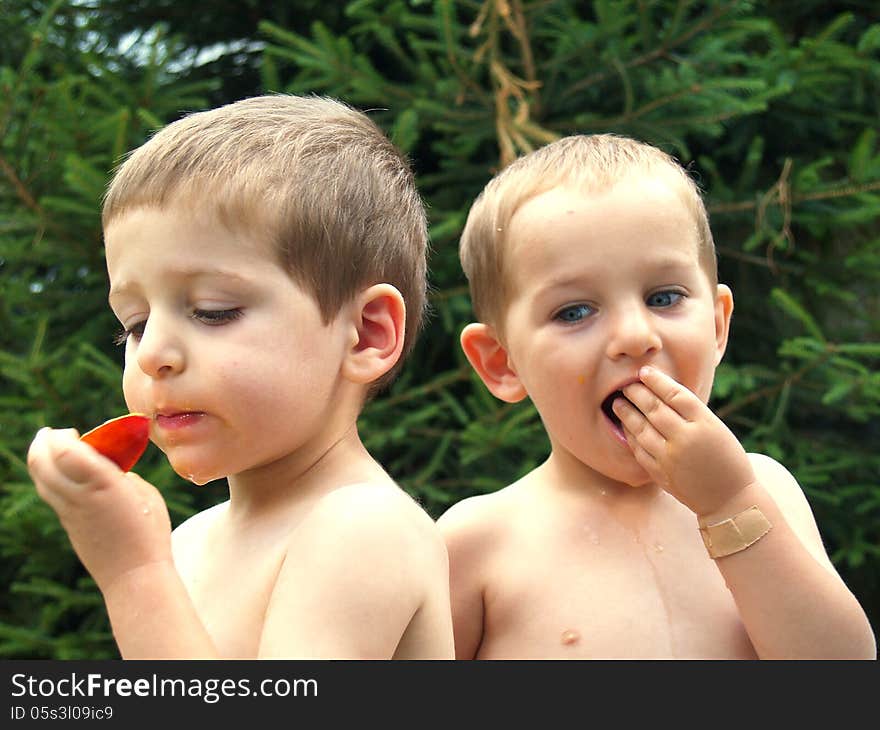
(62, 128)
(775, 112)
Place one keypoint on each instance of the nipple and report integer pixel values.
(570, 637)
(146, 510)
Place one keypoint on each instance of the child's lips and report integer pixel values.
(177, 420)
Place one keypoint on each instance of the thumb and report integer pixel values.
(81, 464)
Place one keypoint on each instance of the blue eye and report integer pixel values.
(664, 298)
(574, 314)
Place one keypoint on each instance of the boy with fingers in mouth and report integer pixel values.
(648, 532)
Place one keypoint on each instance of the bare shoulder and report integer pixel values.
(475, 528)
(383, 503)
(782, 485)
(792, 502)
(194, 528)
(365, 575)
(477, 519)
(189, 540)
(477, 532)
(375, 517)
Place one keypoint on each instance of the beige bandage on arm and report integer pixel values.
(735, 533)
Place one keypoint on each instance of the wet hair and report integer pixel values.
(588, 163)
(314, 177)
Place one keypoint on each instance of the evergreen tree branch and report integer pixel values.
(19, 187)
(774, 389)
(661, 51)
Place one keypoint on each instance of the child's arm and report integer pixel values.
(358, 568)
(465, 535)
(792, 602)
(119, 527)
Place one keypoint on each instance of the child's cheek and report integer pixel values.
(129, 393)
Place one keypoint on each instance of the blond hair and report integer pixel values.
(590, 163)
(318, 179)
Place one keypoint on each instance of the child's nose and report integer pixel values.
(633, 334)
(159, 351)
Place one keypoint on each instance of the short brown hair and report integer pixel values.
(590, 163)
(319, 179)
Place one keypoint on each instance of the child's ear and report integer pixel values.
(488, 357)
(378, 326)
(723, 312)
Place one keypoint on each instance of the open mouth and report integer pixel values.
(606, 407)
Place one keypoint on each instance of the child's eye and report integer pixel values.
(136, 331)
(664, 298)
(574, 313)
(216, 316)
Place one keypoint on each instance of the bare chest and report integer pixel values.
(610, 594)
(230, 590)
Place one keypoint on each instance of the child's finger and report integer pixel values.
(644, 458)
(638, 427)
(672, 393)
(663, 418)
(83, 466)
(62, 466)
(43, 469)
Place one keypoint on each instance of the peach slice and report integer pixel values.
(122, 440)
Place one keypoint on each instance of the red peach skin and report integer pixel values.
(122, 440)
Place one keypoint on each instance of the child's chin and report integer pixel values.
(636, 478)
(193, 475)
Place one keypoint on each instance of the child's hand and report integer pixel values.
(116, 521)
(682, 445)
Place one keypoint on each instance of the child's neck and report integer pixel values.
(305, 474)
(568, 475)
